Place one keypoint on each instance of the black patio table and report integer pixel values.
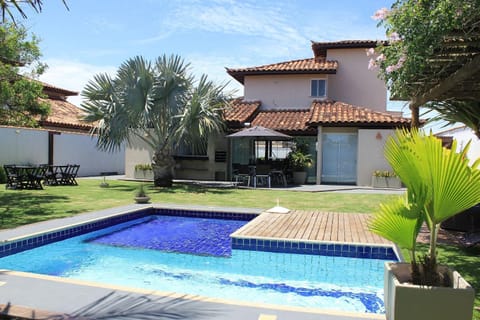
(25, 177)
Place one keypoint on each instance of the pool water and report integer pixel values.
(155, 257)
(175, 234)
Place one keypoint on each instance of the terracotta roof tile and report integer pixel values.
(48, 88)
(347, 44)
(287, 121)
(240, 111)
(303, 66)
(320, 48)
(340, 113)
(64, 115)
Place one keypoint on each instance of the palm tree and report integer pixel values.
(464, 111)
(159, 103)
(7, 5)
(440, 184)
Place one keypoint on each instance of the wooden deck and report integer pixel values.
(312, 226)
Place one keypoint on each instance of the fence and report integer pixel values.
(25, 146)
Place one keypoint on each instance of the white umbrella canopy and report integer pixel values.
(260, 132)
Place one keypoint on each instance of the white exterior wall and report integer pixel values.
(371, 144)
(195, 169)
(281, 91)
(136, 153)
(463, 135)
(23, 146)
(370, 152)
(354, 83)
(70, 148)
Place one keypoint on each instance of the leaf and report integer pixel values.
(397, 222)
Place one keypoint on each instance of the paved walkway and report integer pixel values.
(72, 299)
(303, 188)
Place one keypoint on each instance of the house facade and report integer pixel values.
(331, 102)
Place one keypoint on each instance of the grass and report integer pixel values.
(18, 207)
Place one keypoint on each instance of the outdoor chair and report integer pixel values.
(262, 176)
(52, 174)
(12, 176)
(68, 174)
(35, 177)
(278, 178)
(241, 174)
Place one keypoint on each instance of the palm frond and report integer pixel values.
(453, 111)
(398, 222)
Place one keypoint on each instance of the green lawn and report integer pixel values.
(18, 207)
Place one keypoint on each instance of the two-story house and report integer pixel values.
(331, 101)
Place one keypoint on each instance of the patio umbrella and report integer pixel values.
(260, 132)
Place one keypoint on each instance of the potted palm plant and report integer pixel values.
(141, 195)
(298, 160)
(440, 184)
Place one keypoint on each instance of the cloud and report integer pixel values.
(214, 68)
(72, 75)
(265, 19)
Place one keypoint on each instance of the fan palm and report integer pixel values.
(453, 111)
(159, 103)
(440, 184)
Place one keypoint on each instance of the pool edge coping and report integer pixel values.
(190, 297)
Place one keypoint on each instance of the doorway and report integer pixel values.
(339, 158)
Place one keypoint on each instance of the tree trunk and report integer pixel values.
(415, 116)
(162, 166)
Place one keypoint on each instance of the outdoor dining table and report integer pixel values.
(61, 175)
(25, 177)
(32, 176)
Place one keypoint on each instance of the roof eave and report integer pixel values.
(240, 75)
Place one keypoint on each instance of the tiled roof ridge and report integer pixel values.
(242, 100)
(313, 59)
(58, 89)
(285, 110)
(349, 43)
(349, 105)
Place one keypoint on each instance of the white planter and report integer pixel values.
(142, 200)
(386, 182)
(404, 301)
(143, 174)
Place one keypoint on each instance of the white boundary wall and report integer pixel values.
(25, 146)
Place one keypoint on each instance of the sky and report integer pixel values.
(96, 36)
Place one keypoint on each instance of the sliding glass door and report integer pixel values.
(339, 158)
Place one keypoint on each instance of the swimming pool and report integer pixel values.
(122, 254)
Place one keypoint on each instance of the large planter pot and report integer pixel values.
(405, 301)
(144, 199)
(299, 177)
(386, 182)
(143, 174)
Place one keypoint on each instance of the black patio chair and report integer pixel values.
(12, 176)
(69, 175)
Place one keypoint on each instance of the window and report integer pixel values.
(187, 149)
(319, 87)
